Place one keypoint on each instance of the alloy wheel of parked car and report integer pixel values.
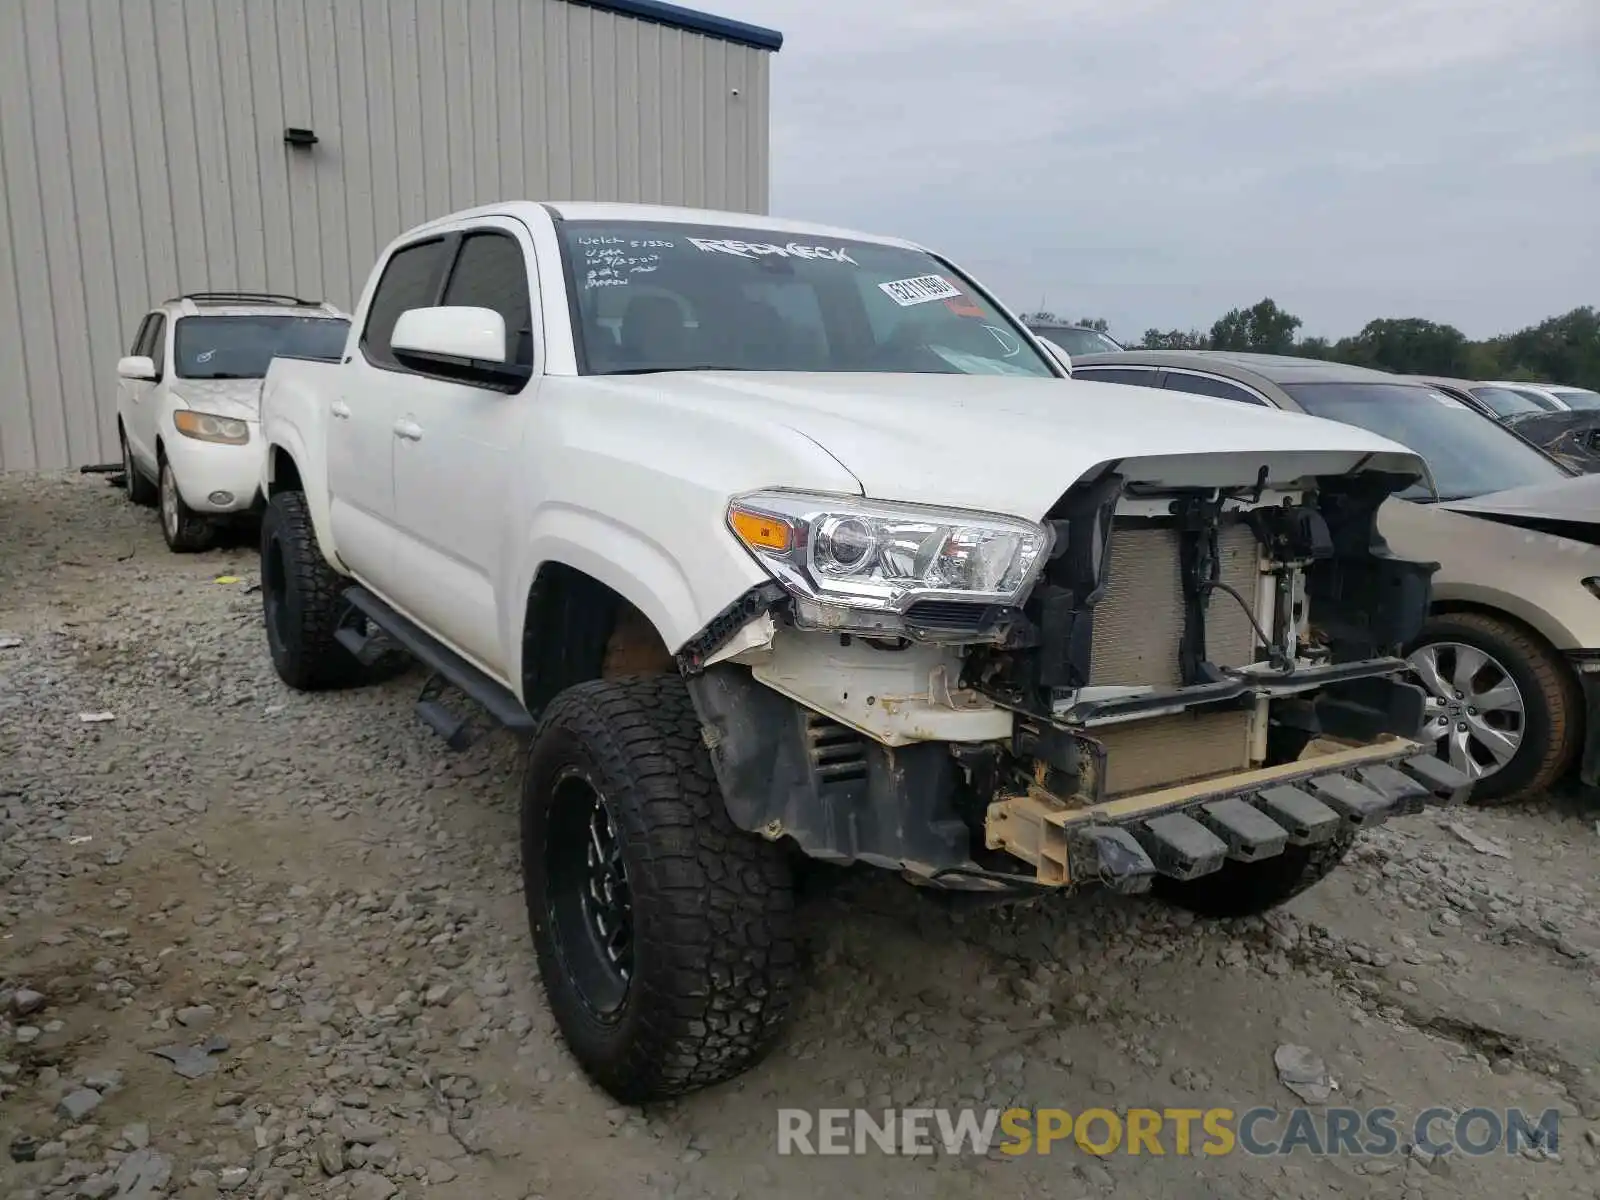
(185, 530)
(1501, 707)
(1474, 707)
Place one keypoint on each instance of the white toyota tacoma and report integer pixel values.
(783, 541)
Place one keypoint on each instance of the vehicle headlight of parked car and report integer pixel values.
(206, 427)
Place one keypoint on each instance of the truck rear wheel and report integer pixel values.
(1249, 889)
(664, 934)
(300, 600)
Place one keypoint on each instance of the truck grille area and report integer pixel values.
(1163, 751)
(1138, 624)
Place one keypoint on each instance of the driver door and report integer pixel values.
(139, 395)
(456, 447)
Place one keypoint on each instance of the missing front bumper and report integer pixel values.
(1191, 830)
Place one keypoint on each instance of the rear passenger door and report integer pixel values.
(364, 403)
(457, 447)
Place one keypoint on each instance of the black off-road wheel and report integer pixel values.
(138, 488)
(186, 531)
(300, 596)
(1249, 889)
(664, 934)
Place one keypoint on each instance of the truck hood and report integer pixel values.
(1015, 445)
(236, 398)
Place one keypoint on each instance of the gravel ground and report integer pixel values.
(316, 908)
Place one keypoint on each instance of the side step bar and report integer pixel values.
(448, 667)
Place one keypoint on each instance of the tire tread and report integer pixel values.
(317, 661)
(715, 954)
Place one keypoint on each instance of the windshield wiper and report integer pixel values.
(660, 370)
(222, 375)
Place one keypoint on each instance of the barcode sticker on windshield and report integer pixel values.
(1447, 401)
(921, 290)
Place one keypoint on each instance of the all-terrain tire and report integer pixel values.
(714, 961)
(300, 596)
(186, 531)
(137, 487)
(1553, 710)
(1249, 889)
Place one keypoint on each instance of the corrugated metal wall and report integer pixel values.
(142, 154)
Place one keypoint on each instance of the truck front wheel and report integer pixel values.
(300, 600)
(664, 934)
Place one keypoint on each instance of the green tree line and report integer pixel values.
(1561, 349)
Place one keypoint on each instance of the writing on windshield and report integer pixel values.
(658, 296)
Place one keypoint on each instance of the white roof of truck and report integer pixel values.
(589, 210)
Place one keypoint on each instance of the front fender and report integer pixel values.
(677, 592)
(287, 441)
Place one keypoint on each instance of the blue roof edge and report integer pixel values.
(695, 22)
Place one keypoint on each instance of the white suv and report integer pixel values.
(189, 396)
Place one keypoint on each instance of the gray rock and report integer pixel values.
(232, 1178)
(196, 1016)
(440, 1171)
(97, 1187)
(103, 1081)
(25, 1002)
(78, 1104)
(365, 1185)
(142, 1175)
(330, 1153)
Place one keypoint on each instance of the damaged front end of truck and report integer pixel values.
(1157, 678)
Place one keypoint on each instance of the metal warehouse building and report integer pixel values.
(152, 147)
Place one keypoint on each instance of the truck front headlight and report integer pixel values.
(843, 554)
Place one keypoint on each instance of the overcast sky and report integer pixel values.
(1157, 162)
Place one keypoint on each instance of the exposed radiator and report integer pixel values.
(1163, 751)
(1138, 623)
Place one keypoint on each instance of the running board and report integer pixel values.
(448, 668)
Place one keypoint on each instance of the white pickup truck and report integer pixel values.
(784, 541)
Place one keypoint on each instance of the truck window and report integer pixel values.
(491, 272)
(410, 280)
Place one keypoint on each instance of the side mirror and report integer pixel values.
(137, 367)
(459, 343)
(1060, 355)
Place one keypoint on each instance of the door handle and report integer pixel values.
(408, 429)
(340, 409)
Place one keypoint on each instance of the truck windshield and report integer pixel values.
(243, 347)
(671, 297)
(1468, 453)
